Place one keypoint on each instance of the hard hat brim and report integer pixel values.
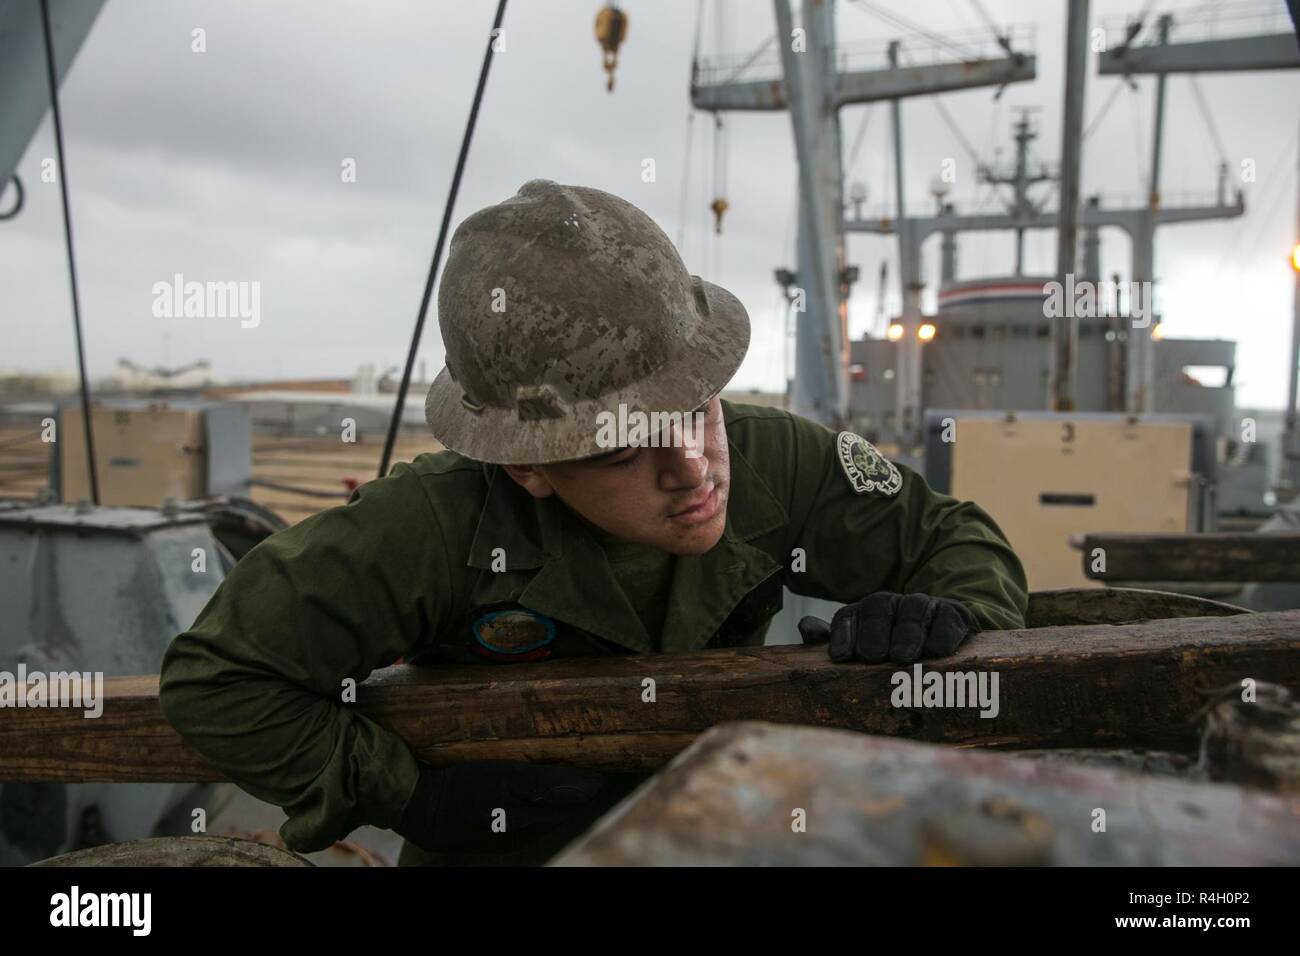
(696, 370)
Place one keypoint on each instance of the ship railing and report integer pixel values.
(1201, 199)
(872, 55)
(1219, 21)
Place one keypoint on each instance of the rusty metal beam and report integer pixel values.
(1277, 51)
(868, 86)
(758, 794)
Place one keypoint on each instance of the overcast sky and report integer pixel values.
(225, 165)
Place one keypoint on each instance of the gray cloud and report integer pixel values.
(225, 165)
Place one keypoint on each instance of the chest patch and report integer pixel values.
(865, 467)
(513, 633)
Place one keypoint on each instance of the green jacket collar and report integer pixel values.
(555, 567)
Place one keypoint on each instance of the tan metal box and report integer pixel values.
(1045, 478)
(148, 452)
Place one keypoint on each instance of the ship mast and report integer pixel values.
(1254, 51)
(1020, 179)
(1065, 327)
(814, 90)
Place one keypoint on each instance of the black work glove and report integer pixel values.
(900, 628)
(454, 808)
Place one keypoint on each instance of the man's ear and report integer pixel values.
(531, 479)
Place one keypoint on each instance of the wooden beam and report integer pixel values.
(184, 851)
(1139, 685)
(1058, 607)
(758, 794)
(1213, 556)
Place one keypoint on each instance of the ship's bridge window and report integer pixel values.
(1044, 331)
(1020, 331)
(997, 332)
(977, 331)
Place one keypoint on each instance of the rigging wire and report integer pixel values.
(1208, 117)
(1136, 26)
(781, 356)
(402, 389)
(706, 247)
(912, 27)
(1234, 247)
(51, 73)
(1101, 113)
(1140, 145)
(699, 29)
(718, 205)
(783, 310)
(720, 153)
(947, 118)
(1146, 12)
(859, 136)
(984, 15)
(956, 131)
(686, 184)
(956, 10)
(690, 129)
(749, 60)
(995, 124)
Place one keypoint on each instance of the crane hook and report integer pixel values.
(611, 30)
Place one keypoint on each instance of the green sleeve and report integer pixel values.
(915, 541)
(256, 684)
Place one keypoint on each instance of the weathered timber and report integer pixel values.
(180, 851)
(758, 794)
(1065, 606)
(1213, 556)
(1139, 685)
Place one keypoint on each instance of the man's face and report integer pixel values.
(670, 498)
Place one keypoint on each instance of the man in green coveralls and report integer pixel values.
(596, 497)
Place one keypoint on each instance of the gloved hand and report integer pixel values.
(893, 627)
(453, 808)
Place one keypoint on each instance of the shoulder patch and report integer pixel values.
(513, 633)
(865, 467)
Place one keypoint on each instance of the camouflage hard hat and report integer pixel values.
(564, 302)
